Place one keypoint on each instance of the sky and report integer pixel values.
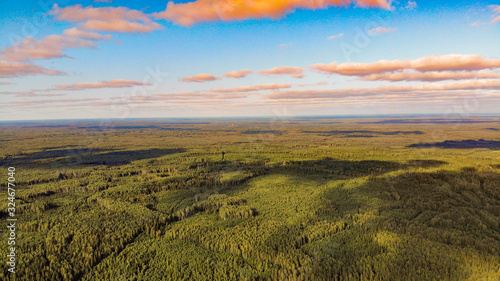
(235, 58)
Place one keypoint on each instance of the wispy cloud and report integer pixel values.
(238, 73)
(121, 26)
(436, 89)
(285, 45)
(115, 83)
(116, 19)
(496, 13)
(335, 36)
(381, 30)
(411, 5)
(16, 69)
(190, 13)
(51, 46)
(293, 71)
(253, 88)
(200, 78)
(451, 62)
(431, 76)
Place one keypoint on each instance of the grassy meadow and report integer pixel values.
(261, 199)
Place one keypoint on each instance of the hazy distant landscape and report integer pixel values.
(411, 198)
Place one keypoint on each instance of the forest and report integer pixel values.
(297, 198)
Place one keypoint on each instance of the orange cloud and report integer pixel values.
(430, 76)
(238, 74)
(190, 13)
(16, 69)
(253, 88)
(115, 83)
(51, 46)
(121, 26)
(200, 78)
(451, 62)
(5, 83)
(381, 30)
(116, 19)
(294, 71)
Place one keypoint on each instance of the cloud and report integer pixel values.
(37, 102)
(293, 71)
(5, 83)
(335, 36)
(285, 45)
(78, 33)
(451, 62)
(115, 19)
(411, 5)
(16, 69)
(430, 76)
(238, 73)
(388, 91)
(380, 30)
(76, 13)
(190, 13)
(51, 46)
(253, 88)
(477, 23)
(121, 26)
(200, 78)
(496, 13)
(199, 96)
(115, 83)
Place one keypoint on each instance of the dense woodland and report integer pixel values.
(262, 199)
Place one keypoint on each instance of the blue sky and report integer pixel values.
(128, 59)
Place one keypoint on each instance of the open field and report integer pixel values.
(261, 199)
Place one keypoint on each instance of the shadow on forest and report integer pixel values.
(444, 210)
(109, 157)
(463, 144)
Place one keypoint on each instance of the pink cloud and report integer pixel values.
(381, 30)
(294, 71)
(496, 12)
(238, 74)
(335, 36)
(5, 83)
(115, 83)
(190, 13)
(115, 19)
(16, 69)
(451, 62)
(430, 76)
(121, 26)
(51, 46)
(389, 90)
(76, 13)
(253, 88)
(200, 78)
(76, 32)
